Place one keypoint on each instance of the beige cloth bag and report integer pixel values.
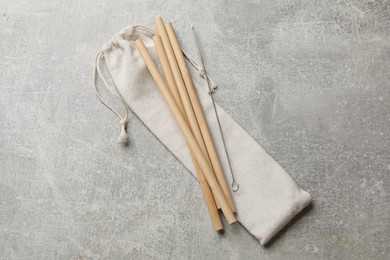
(268, 197)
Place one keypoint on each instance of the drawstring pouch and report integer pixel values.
(268, 197)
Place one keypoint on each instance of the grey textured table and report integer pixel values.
(309, 80)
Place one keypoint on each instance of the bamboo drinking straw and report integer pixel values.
(181, 87)
(216, 164)
(207, 193)
(179, 83)
(162, 55)
(206, 168)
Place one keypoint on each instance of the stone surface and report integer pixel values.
(309, 80)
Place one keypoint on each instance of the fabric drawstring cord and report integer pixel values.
(123, 137)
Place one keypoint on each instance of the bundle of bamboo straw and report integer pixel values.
(180, 94)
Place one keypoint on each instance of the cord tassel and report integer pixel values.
(123, 138)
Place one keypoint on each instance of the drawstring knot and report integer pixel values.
(202, 73)
(123, 138)
(213, 86)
